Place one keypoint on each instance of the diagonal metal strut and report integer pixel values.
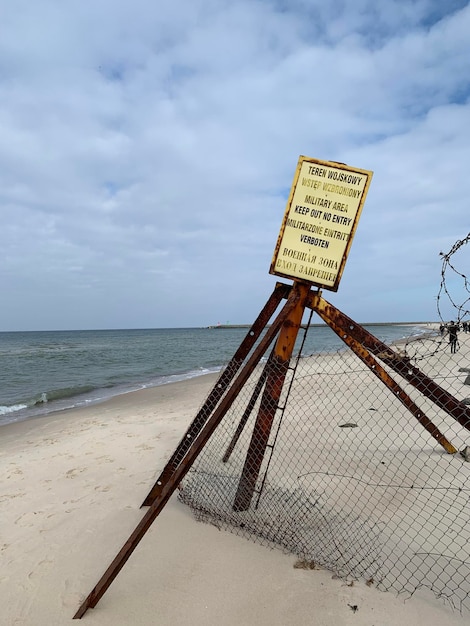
(280, 291)
(384, 377)
(180, 471)
(399, 364)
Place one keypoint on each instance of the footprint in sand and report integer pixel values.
(26, 520)
(42, 565)
(103, 488)
(71, 599)
(14, 471)
(74, 472)
(10, 496)
(73, 501)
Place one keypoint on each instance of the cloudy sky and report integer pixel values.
(147, 149)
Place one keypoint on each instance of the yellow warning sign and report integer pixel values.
(323, 209)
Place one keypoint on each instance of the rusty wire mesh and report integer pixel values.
(350, 480)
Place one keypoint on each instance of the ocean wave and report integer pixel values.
(63, 370)
(52, 401)
(61, 393)
(6, 410)
(172, 378)
(44, 398)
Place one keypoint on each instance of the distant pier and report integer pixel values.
(229, 326)
(225, 326)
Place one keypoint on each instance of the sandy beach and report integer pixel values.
(71, 487)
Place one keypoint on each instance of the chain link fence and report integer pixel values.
(350, 480)
(362, 464)
(357, 461)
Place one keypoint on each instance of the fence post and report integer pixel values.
(276, 375)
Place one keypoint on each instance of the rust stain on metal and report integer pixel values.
(281, 291)
(249, 408)
(342, 328)
(270, 399)
(397, 362)
(181, 470)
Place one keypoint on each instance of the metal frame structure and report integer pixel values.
(284, 330)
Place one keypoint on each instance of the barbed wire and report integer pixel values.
(447, 265)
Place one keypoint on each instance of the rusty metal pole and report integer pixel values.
(269, 402)
(386, 379)
(399, 364)
(181, 470)
(247, 412)
(281, 291)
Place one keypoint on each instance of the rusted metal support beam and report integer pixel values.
(389, 382)
(281, 291)
(398, 363)
(270, 399)
(249, 408)
(180, 471)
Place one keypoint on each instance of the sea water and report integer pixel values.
(42, 372)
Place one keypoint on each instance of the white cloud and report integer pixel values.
(146, 152)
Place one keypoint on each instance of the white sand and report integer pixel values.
(71, 488)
